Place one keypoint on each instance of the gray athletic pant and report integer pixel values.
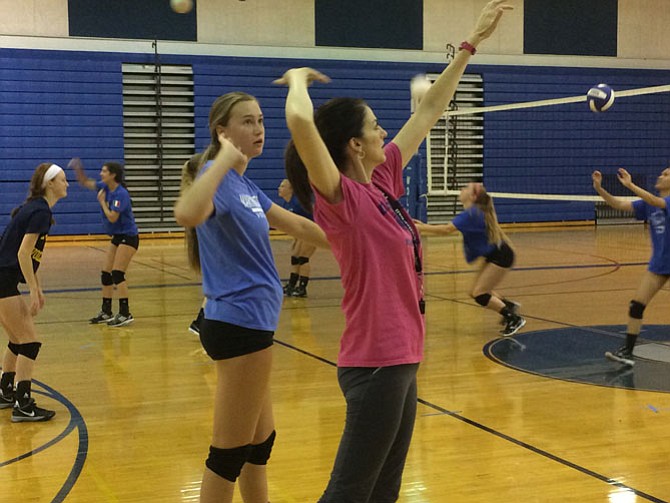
(381, 408)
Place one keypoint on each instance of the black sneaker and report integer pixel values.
(30, 413)
(513, 325)
(6, 401)
(288, 290)
(120, 320)
(622, 355)
(101, 317)
(194, 327)
(299, 291)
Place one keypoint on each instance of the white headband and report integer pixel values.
(51, 173)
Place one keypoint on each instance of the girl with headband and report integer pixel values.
(119, 223)
(21, 248)
(483, 239)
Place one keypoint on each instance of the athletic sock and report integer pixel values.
(106, 305)
(7, 383)
(124, 310)
(23, 392)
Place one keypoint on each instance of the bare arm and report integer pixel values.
(627, 181)
(25, 257)
(435, 229)
(321, 169)
(615, 202)
(76, 164)
(196, 204)
(112, 216)
(299, 227)
(433, 104)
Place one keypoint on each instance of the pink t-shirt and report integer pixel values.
(382, 289)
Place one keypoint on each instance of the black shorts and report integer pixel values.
(223, 340)
(9, 283)
(502, 256)
(125, 239)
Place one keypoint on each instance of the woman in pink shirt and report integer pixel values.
(341, 153)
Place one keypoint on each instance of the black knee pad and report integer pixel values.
(636, 309)
(260, 453)
(14, 348)
(30, 349)
(303, 260)
(118, 276)
(483, 299)
(295, 260)
(228, 463)
(106, 278)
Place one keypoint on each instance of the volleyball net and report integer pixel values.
(541, 153)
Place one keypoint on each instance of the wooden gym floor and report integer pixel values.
(494, 423)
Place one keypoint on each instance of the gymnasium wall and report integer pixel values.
(61, 97)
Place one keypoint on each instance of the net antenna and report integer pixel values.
(449, 187)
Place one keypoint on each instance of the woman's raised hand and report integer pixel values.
(624, 177)
(304, 74)
(488, 20)
(597, 178)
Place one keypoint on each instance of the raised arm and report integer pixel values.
(196, 204)
(627, 181)
(615, 202)
(437, 98)
(321, 168)
(78, 167)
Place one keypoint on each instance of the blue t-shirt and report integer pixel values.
(34, 217)
(239, 277)
(472, 225)
(294, 206)
(118, 200)
(659, 220)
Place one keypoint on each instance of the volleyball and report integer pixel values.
(600, 97)
(181, 6)
(418, 87)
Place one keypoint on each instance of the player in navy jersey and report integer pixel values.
(231, 217)
(653, 209)
(119, 222)
(21, 248)
(483, 238)
(301, 252)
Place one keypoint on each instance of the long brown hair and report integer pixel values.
(337, 121)
(484, 202)
(219, 115)
(188, 173)
(37, 188)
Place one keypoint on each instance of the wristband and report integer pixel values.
(468, 47)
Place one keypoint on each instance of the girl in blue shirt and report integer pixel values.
(301, 252)
(119, 223)
(21, 248)
(653, 209)
(232, 217)
(483, 238)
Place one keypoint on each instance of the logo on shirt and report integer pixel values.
(252, 203)
(36, 255)
(116, 203)
(657, 221)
